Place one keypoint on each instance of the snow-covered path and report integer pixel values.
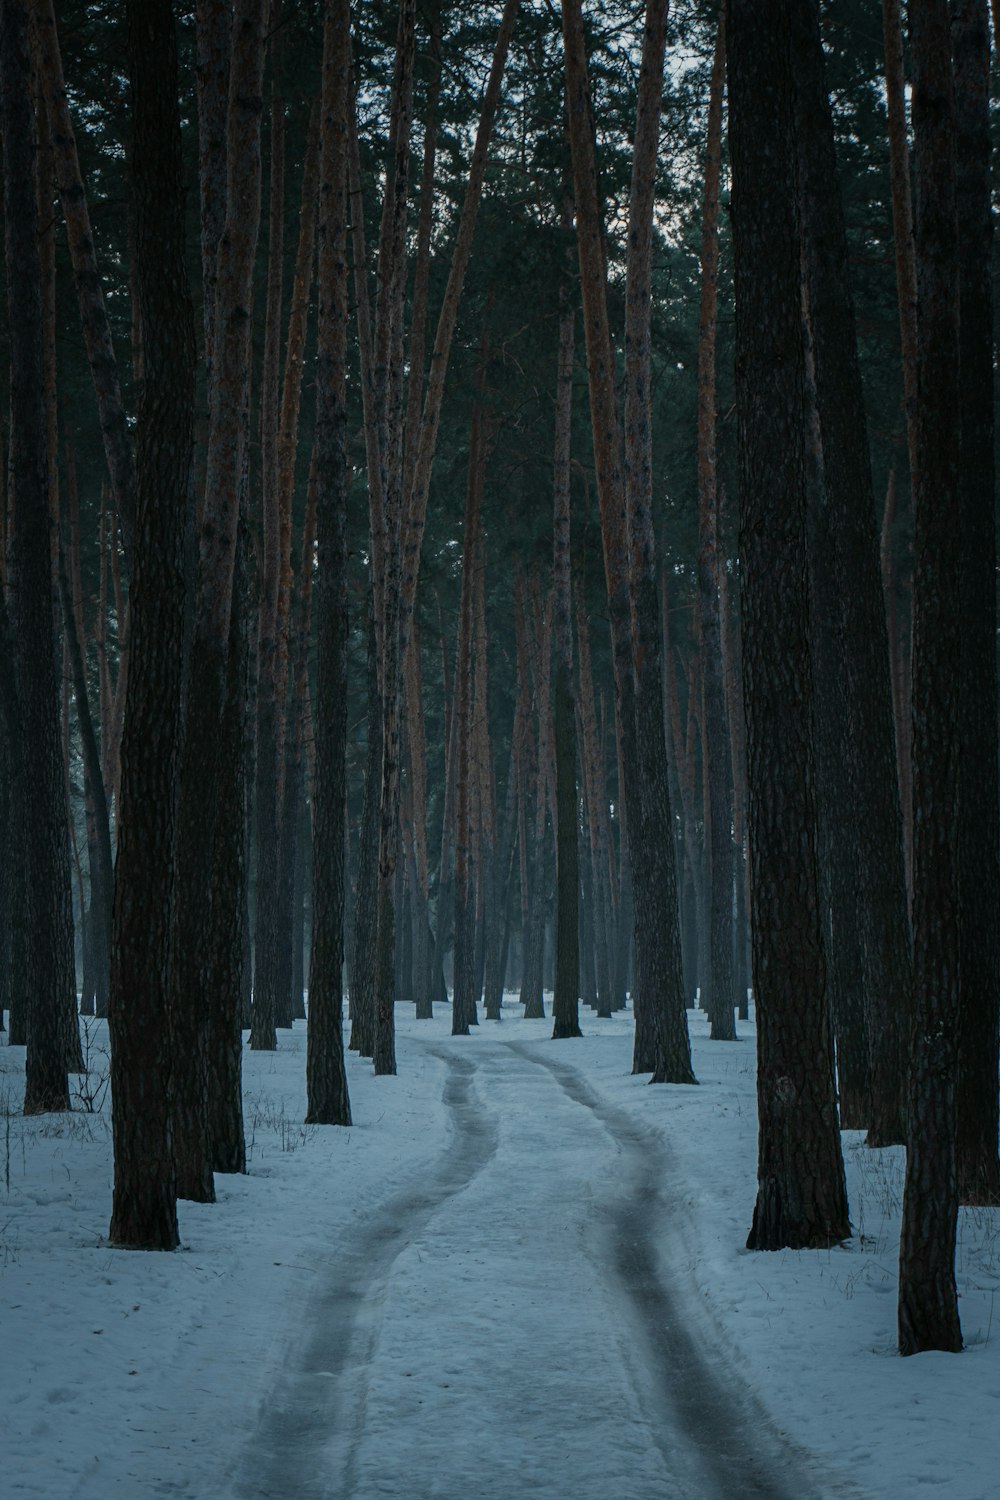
(510, 1325)
(520, 1272)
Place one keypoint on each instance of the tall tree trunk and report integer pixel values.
(362, 982)
(101, 867)
(484, 778)
(418, 782)
(835, 796)
(44, 174)
(906, 293)
(853, 561)
(387, 525)
(538, 843)
(928, 1304)
(228, 917)
(144, 1215)
(718, 991)
(802, 1198)
(498, 926)
(96, 920)
(201, 771)
(464, 996)
(565, 999)
(598, 817)
(40, 793)
(292, 853)
(979, 826)
(268, 1003)
(737, 727)
(326, 1078)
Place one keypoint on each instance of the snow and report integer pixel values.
(520, 1272)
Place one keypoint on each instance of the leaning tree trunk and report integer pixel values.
(145, 1213)
(928, 1304)
(802, 1198)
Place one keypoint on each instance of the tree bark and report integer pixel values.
(718, 992)
(979, 826)
(326, 1078)
(802, 1199)
(596, 779)
(418, 784)
(540, 636)
(928, 1306)
(565, 999)
(213, 19)
(906, 293)
(227, 938)
(40, 795)
(269, 1005)
(387, 526)
(853, 560)
(464, 992)
(366, 878)
(201, 771)
(144, 1213)
(835, 794)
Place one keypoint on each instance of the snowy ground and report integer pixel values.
(520, 1273)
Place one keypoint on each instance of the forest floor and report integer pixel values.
(519, 1273)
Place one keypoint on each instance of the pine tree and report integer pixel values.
(145, 1214)
(801, 1199)
(45, 967)
(928, 1306)
(326, 1079)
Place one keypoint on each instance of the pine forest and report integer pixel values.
(498, 609)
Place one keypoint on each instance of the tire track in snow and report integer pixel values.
(311, 1425)
(738, 1450)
